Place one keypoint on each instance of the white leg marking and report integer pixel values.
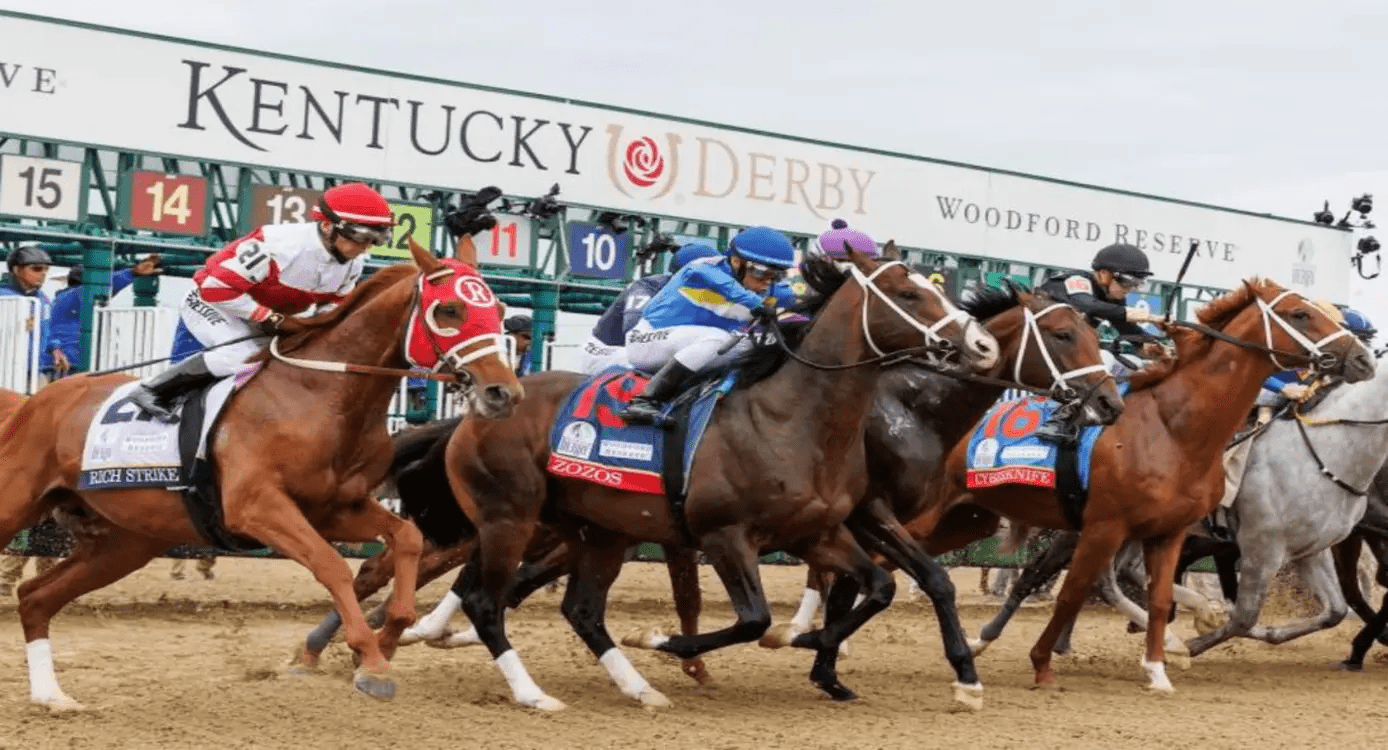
(43, 679)
(523, 688)
(1156, 672)
(629, 681)
(435, 624)
(804, 617)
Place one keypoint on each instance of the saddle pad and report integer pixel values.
(589, 441)
(1004, 449)
(127, 448)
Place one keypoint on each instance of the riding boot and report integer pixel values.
(645, 408)
(1057, 429)
(155, 394)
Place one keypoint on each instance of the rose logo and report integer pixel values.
(644, 163)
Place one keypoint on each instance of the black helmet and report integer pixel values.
(28, 255)
(517, 324)
(1122, 258)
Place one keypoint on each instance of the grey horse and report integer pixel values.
(1303, 492)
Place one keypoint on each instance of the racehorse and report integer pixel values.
(1372, 530)
(918, 416)
(1158, 469)
(780, 467)
(296, 453)
(9, 403)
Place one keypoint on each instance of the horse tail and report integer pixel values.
(1017, 534)
(420, 476)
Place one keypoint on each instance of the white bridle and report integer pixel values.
(1061, 380)
(931, 332)
(1313, 348)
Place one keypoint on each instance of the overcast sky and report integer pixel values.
(1267, 106)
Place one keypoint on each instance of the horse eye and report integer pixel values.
(1300, 315)
(1064, 337)
(910, 295)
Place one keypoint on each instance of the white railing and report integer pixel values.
(126, 335)
(19, 344)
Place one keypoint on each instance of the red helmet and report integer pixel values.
(353, 203)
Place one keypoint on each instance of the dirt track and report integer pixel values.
(163, 663)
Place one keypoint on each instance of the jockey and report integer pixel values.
(1297, 385)
(832, 242)
(253, 286)
(690, 323)
(1101, 296)
(606, 346)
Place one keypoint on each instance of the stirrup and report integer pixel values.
(149, 403)
(642, 412)
(1057, 431)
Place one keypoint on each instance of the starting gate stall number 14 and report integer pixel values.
(37, 188)
(169, 203)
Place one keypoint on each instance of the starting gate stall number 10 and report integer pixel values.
(37, 188)
(598, 251)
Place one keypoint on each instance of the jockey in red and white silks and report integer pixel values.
(251, 286)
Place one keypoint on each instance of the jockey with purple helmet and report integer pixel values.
(606, 346)
(693, 323)
(832, 242)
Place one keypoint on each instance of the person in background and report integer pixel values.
(520, 328)
(28, 268)
(66, 325)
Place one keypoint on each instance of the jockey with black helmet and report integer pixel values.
(1101, 296)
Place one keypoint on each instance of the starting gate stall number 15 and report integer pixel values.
(37, 188)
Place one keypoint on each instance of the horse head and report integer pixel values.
(1050, 345)
(456, 325)
(1297, 332)
(904, 310)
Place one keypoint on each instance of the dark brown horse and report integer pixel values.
(781, 467)
(296, 454)
(1158, 469)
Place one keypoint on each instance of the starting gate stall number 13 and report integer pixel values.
(39, 188)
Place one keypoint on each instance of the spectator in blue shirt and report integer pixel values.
(66, 327)
(29, 266)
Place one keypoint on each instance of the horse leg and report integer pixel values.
(1093, 551)
(816, 584)
(370, 520)
(1113, 594)
(531, 577)
(266, 514)
(1161, 556)
(593, 568)
(683, 566)
(877, 524)
(1318, 573)
(371, 577)
(97, 560)
(1346, 555)
(735, 560)
(1375, 627)
(1259, 566)
(1033, 577)
(434, 625)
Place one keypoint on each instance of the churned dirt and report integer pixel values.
(193, 664)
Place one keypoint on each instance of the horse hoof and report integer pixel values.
(62, 704)
(381, 688)
(647, 638)
(1208, 622)
(1349, 666)
(652, 698)
(1178, 660)
(418, 634)
(845, 650)
(969, 696)
(545, 703)
(978, 646)
(1158, 689)
(777, 636)
(837, 692)
(694, 669)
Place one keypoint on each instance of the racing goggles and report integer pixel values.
(365, 234)
(1130, 282)
(762, 271)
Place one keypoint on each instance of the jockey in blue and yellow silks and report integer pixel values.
(1296, 385)
(698, 313)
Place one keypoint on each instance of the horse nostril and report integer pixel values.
(496, 395)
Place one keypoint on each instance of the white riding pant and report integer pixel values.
(211, 326)
(1118, 369)
(695, 347)
(598, 356)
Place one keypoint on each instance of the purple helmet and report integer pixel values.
(831, 243)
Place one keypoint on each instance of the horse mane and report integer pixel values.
(985, 302)
(824, 278)
(365, 291)
(1216, 314)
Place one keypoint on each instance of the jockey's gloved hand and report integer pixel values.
(280, 324)
(766, 313)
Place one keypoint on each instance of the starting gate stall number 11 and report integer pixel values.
(37, 188)
(506, 244)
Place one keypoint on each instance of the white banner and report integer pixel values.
(104, 87)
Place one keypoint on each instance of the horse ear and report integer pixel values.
(423, 258)
(466, 250)
(891, 251)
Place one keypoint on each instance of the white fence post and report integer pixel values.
(19, 344)
(126, 335)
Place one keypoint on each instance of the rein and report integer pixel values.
(1302, 420)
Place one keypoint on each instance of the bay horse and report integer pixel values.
(296, 454)
(1158, 469)
(781, 466)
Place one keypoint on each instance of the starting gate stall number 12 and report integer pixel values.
(37, 188)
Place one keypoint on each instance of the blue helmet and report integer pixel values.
(1358, 323)
(763, 245)
(692, 251)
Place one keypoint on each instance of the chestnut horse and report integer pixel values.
(780, 468)
(1158, 469)
(296, 452)
(10, 402)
